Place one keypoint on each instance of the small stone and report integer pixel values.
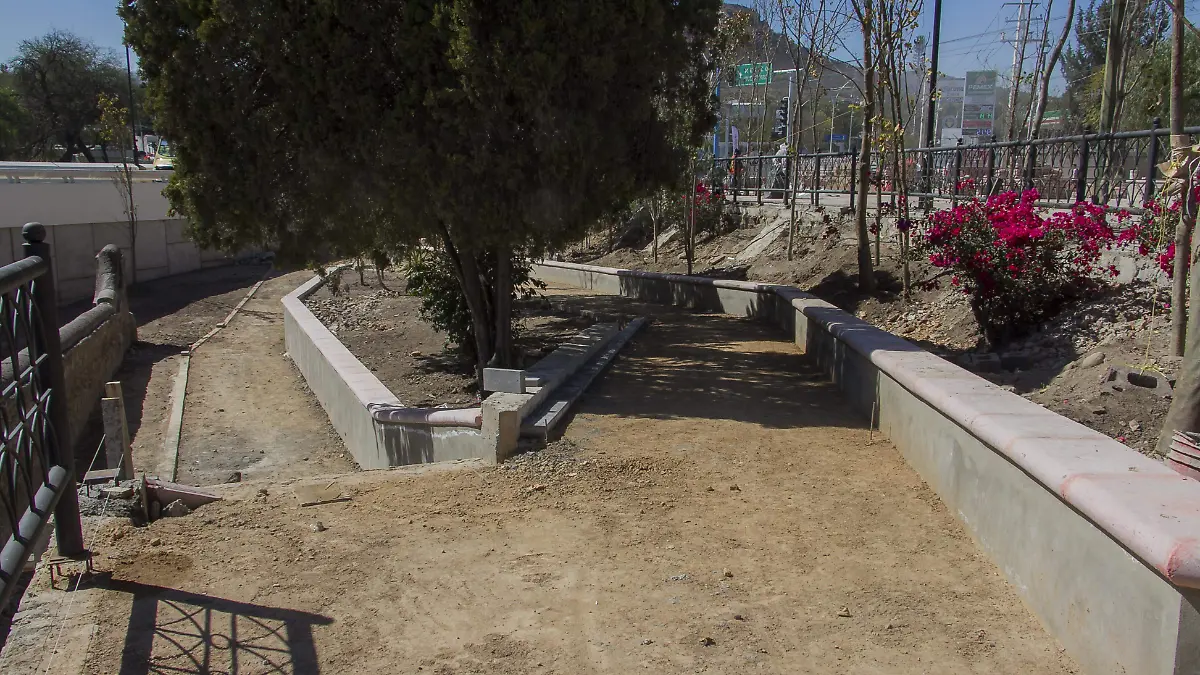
(1092, 360)
(710, 488)
(735, 488)
(220, 410)
(235, 477)
(262, 492)
(156, 542)
(647, 642)
(1098, 411)
(117, 491)
(844, 612)
(707, 641)
(738, 617)
(176, 509)
(317, 527)
(415, 353)
(727, 574)
(1135, 425)
(679, 577)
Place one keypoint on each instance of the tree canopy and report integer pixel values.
(55, 84)
(317, 126)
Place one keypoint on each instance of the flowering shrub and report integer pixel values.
(1018, 265)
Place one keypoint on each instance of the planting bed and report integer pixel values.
(382, 327)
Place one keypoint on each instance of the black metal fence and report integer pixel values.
(37, 467)
(1116, 170)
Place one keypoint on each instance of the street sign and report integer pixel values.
(1052, 117)
(748, 74)
(836, 138)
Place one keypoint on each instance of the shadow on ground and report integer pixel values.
(173, 631)
(691, 365)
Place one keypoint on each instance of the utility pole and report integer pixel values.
(1023, 15)
(1112, 65)
(132, 105)
(927, 122)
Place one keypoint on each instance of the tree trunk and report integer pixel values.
(502, 356)
(866, 274)
(1114, 51)
(466, 268)
(690, 247)
(1048, 71)
(654, 225)
(1183, 235)
(1184, 413)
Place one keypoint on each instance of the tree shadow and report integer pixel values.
(841, 289)
(692, 365)
(155, 299)
(173, 631)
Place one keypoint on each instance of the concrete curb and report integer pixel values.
(1101, 541)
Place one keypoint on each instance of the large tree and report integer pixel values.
(59, 78)
(489, 129)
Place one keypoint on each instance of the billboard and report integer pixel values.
(950, 110)
(979, 105)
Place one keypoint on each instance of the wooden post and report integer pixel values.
(116, 431)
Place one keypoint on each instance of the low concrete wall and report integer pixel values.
(348, 391)
(1100, 541)
(162, 250)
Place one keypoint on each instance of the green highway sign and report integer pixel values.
(748, 74)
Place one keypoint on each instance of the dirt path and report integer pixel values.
(248, 408)
(714, 507)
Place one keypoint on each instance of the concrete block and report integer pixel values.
(176, 232)
(502, 424)
(182, 257)
(151, 245)
(110, 233)
(507, 380)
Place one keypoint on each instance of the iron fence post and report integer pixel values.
(1152, 164)
(816, 194)
(1081, 169)
(853, 179)
(1030, 163)
(760, 177)
(67, 526)
(989, 182)
(955, 177)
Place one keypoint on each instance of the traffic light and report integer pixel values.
(781, 120)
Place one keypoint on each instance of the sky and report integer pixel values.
(963, 22)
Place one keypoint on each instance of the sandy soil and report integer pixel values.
(1127, 325)
(248, 408)
(382, 327)
(714, 507)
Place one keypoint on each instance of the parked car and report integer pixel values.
(164, 158)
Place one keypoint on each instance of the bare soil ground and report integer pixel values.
(1129, 325)
(233, 379)
(381, 326)
(713, 507)
(248, 409)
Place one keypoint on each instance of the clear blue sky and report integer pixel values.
(97, 21)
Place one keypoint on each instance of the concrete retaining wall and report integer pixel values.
(347, 390)
(1100, 541)
(162, 250)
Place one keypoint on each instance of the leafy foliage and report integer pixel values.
(1017, 265)
(58, 79)
(482, 127)
(431, 277)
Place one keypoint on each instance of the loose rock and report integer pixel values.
(844, 612)
(317, 527)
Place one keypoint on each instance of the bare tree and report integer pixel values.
(114, 128)
(865, 14)
(1039, 109)
(811, 28)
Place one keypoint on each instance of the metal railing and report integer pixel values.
(37, 467)
(1116, 170)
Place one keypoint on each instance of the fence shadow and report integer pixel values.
(176, 632)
